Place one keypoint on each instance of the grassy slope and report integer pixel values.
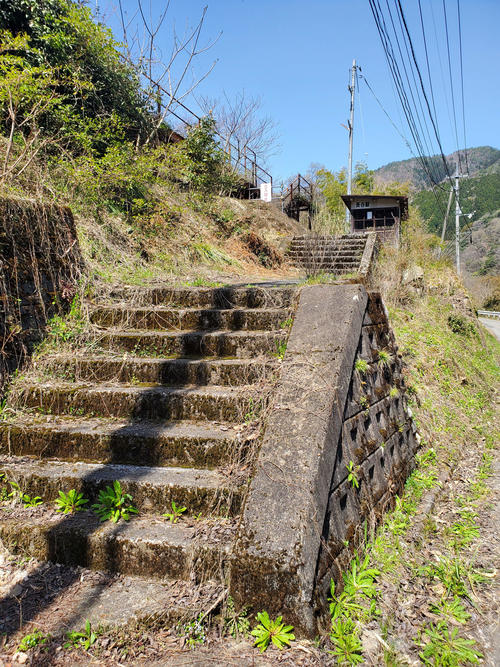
(429, 569)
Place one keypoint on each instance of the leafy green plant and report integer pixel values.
(84, 639)
(457, 576)
(280, 349)
(394, 392)
(193, 632)
(348, 648)
(268, 631)
(384, 358)
(71, 502)
(236, 623)
(34, 639)
(29, 501)
(460, 325)
(453, 609)
(444, 647)
(286, 323)
(113, 504)
(176, 513)
(352, 474)
(361, 365)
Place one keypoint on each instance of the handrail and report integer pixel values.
(245, 160)
(297, 187)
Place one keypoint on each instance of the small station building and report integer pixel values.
(377, 213)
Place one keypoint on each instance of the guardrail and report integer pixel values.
(489, 313)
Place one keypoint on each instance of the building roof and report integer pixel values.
(401, 199)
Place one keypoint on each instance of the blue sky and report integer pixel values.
(296, 56)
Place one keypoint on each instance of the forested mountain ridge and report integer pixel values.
(478, 160)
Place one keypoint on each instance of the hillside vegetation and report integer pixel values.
(79, 129)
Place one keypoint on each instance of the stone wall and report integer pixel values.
(40, 263)
(303, 519)
(378, 437)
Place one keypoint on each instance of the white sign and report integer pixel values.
(266, 191)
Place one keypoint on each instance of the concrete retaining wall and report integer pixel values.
(301, 511)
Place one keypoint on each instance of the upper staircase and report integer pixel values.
(328, 254)
(163, 396)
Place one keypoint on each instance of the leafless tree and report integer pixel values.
(167, 77)
(240, 122)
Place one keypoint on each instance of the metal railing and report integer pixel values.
(489, 313)
(299, 190)
(242, 159)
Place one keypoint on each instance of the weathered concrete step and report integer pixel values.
(138, 402)
(144, 546)
(193, 343)
(318, 254)
(334, 267)
(149, 546)
(101, 368)
(319, 257)
(326, 262)
(328, 245)
(105, 599)
(161, 317)
(147, 443)
(268, 296)
(152, 488)
(328, 237)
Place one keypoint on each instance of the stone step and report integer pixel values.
(144, 546)
(330, 257)
(344, 252)
(329, 268)
(142, 443)
(308, 245)
(238, 344)
(268, 296)
(152, 488)
(164, 318)
(104, 599)
(107, 368)
(328, 237)
(138, 402)
(332, 262)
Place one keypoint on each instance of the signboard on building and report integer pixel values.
(266, 191)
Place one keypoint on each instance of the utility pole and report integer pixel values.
(457, 221)
(350, 128)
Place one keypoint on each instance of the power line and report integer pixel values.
(400, 88)
(462, 84)
(451, 78)
(423, 90)
(395, 70)
(389, 118)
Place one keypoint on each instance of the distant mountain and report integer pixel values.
(479, 194)
(482, 255)
(483, 159)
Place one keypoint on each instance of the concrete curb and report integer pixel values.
(280, 533)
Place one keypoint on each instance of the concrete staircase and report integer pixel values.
(328, 254)
(163, 397)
